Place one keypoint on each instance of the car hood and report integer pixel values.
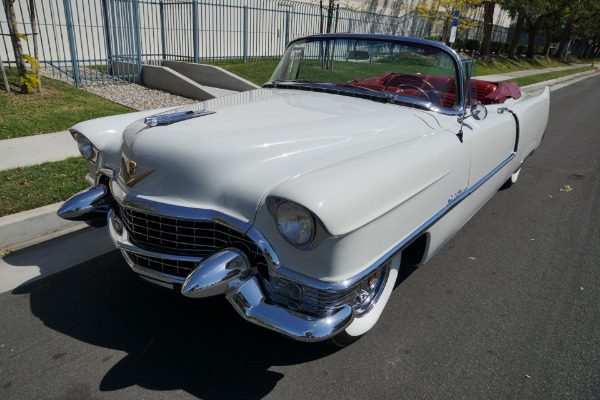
(230, 160)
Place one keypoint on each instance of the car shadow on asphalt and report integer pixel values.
(201, 346)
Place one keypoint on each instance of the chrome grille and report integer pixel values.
(182, 237)
(165, 265)
(313, 301)
(178, 236)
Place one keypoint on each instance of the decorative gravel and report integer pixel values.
(137, 96)
(132, 95)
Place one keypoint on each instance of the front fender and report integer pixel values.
(106, 134)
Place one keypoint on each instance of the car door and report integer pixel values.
(491, 140)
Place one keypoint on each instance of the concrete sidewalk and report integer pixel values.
(526, 72)
(37, 149)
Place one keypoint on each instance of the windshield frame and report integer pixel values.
(400, 40)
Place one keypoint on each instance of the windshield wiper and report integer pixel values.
(389, 96)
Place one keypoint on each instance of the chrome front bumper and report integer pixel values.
(230, 273)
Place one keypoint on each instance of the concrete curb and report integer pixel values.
(552, 82)
(34, 226)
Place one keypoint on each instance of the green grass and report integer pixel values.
(500, 65)
(57, 108)
(260, 71)
(31, 187)
(530, 80)
(257, 72)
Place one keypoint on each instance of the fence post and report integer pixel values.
(163, 40)
(196, 31)
(245, 34)
(138, 39)
(72, 44)
(109, 52)
(287, 27)
(350, 24)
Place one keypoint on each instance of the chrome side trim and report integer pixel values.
(341, 285)
(505, 109)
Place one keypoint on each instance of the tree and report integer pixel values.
(488, 24)
(27, 80)
(15, 37)
(514, 45)
(441, 13)
(533, 12)
(577, 13)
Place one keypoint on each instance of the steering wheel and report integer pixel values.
(415, 77)
(414, 86)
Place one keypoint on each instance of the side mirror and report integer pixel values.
(478, 111)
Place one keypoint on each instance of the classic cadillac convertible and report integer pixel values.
(298, 201)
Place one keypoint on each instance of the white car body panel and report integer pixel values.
(378, 178)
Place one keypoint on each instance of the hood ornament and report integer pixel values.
(168, 119)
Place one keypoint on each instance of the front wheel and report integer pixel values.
(365, 322)
(512, 180)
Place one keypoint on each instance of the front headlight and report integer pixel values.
(295, 223)
(86, 148)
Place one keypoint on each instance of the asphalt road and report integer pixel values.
(509, 309)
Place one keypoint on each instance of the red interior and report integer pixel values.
(443, 88)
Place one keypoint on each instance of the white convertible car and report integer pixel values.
(298, 201)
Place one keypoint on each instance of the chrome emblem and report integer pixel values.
(131, 167)
(456, 195)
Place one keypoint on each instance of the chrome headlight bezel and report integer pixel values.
(317, 231)
(86, 148)
(295, 223)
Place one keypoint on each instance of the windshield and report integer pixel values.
(395, 70)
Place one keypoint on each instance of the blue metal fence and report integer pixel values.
(108, 40)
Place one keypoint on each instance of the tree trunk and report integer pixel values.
(35, 41)
(564, 38)
(583, 48)
(488, 25)
(16, 41)
(4, 79)
(548, 42)
(445, 31)
(512, 53)
(533, 29)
